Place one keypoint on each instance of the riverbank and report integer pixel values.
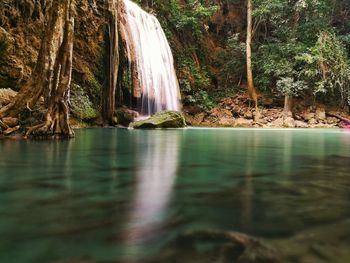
(230, 112)
(236, 112)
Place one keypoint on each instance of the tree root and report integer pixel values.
(56, 125)
(334, 114)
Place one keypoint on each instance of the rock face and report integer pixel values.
(167, 119)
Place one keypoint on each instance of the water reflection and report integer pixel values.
(158, 156)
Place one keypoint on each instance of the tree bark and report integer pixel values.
(250, 80)
(42, 73)
(112, 64)
(288, 106)
(56, 124)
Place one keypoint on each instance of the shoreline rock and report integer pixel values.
(164, 120)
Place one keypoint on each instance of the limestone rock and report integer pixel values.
(195, 120)
(312, 121)
(301, 124)
(243, 123)
(278, 123)
(289, 122)
(308, 116)
(227, 122)
(248, 115)
(126, 116)
(332, 120)
(10, 121)
(167, 119)
(320, 113)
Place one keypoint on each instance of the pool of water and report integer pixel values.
(113, 195)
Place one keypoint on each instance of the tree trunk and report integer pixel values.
(126, 37)
(250, 81)
(112, 64)
(56, 123)
(288, 106)
(42, 73)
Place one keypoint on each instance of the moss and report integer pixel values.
(168, 119)
(81, 106)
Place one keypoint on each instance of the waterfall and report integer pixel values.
(151, 61)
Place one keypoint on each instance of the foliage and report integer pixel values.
(81, 106)
(327, 64)
(291, 87)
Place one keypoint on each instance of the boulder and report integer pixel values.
(195, 120)
(243, 123)
(312, 121)
(125, 116)
(320, 113)
(332, 120)
(227, 122)
(301, 124)
(278, 123)
(10, 121)
(289, 122)
(248, 115)
(167, 119)
(308, 116)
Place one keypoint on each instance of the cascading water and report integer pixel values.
(152, 65)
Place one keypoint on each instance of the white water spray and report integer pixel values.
(156, 83)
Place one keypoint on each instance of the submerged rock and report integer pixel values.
(167, 119)
(218, 246)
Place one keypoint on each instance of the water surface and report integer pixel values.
(124, 196)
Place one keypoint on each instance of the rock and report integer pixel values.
(227, 122)
(248, 115)
(10, 121)
(126, 116)
(195, 120)
(332, 120)
(11, 130)
(301, 124)
(243, 123)
(278, 123)
(289, 122)
(308, 116)
(320, 113)
(167, 119)
(312, 121)
(6, 96)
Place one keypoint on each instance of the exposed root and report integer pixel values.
(56, 125)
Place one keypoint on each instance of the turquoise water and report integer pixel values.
(124, 195)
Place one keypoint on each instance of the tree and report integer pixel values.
(52, 75)
(250, 81)
(112, 64)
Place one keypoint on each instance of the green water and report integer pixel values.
(124, 196)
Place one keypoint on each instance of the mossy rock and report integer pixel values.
(164, 120)
(125, 116)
